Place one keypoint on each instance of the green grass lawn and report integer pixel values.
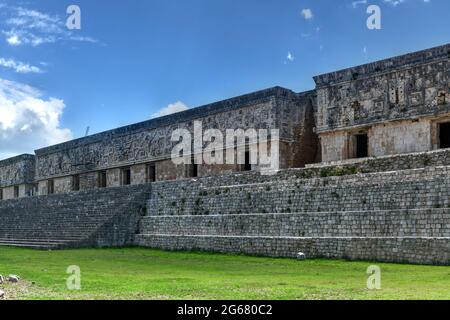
(137, 273)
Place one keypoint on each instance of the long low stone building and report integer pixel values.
(363, 158)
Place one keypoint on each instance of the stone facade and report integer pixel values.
(17, 177)
(149, 142)
(395, 106)
(365, 174)
(398, 103)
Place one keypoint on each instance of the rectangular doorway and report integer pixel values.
(151, 173)
(362, 146)
(444, 135)
(247, 165)
(126, 176)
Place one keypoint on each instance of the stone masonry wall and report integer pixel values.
(16, 171)
(393, 223)
(409, 189)
(150, 141)
(324, 211)
(405, 87)
(400, 250)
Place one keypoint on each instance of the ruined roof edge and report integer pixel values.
(16, 159)
(188, 115)
(373, 68)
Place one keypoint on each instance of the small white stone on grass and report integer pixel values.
(301, 256)
(13, 278)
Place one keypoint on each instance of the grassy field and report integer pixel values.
(136, 273)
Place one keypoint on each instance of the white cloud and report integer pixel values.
(18, 66)
(28, 121)
(307, 14)
(290, 57)
(13, 40)
(170, 109)
(31, 27)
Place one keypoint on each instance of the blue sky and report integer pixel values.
(134, 59)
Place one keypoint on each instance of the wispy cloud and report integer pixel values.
(398, 2)
(18, 66)
(395, 2)
(171, 109)
(355, 4)
(31, 27)
(28, 120)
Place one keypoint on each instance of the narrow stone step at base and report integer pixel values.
(43, 246)
(5, 240)
(37, 243)
(416, 250)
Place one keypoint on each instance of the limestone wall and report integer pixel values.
(404, 87)
(149, 141)
(16, 171)
(392, 223)
(389, 138)
(325, 211)
(409, 189)
(400, 250)
(396, 102)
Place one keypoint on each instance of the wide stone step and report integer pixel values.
(418, 250)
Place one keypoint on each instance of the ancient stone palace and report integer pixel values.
(364, 173)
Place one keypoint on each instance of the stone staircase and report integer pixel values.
(103, 217)
(397, 216)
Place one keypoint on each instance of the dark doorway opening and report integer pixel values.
(362, 146)
(192, 169)
(126, 176)
(195, 170)
(151, 173)
(101, 179)
(76, 183)
(444, 135)
(50, 187)
(247, 165)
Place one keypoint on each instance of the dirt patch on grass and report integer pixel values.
(18, 290)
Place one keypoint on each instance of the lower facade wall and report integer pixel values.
(400, 250)
(23, 190)
(397, 137)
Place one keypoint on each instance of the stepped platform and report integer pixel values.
(97, 218)
(394, 209)
(325, 212)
